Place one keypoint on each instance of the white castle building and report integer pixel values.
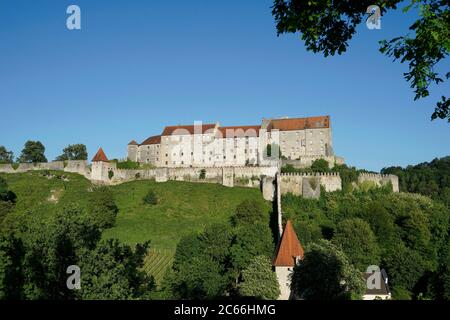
(210, 145)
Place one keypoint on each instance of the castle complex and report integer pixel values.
(210, 145)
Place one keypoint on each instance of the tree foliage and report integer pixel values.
(428, 178)
(33, 152)
(151, 198)
(74, 152)
(326, 274)
(34, 262)
(328, 26)
(200, 264)
(248, 212)
(259, 280)
(404, 226)
(358, 242)
(211, 264)
(102, 208)
(6, 156)
(7, 199)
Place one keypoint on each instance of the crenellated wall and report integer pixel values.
(294, 183)
(228, 176)
(380, 179)
(304, 184)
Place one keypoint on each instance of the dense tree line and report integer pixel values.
(34, 256)
(34, 152)
(407, 234)
(429, 178)
(232, 259)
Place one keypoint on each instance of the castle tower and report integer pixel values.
(289, 252)
(100, 166)
(133, 151)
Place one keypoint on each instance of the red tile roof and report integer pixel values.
(288, 249)
(100, 156)
(238, 131)
(181, 130)
(152, 140)
(133, 143)
(300, 123)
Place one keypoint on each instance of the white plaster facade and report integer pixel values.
(210, 145)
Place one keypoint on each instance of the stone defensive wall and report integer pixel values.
(228, 176)
(379, 179)
(299, 183)
(75, 166)
(303, 184)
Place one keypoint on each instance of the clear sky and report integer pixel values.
(136, 66)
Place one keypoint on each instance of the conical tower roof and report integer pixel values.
(100, 156)
(289, 248)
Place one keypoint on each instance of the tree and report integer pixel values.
(250, 241)
(308, 231)
(380, 222)
(200, 264)
(33, 152)
(404, 266)
(320, 165)
(114, 271)
(328, 26)
(358, 242)
(249, 211)
(7, 200)
(34, 266)
(6, 156)
(11, 255)
(326, 274)
(151, 198)
(258, 280)
(6, 194)
(102, 208)
(74, 152)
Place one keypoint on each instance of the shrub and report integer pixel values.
(137, 175)
(258, 280)
(202, 175)
(151, 198)
(127, 165)
(110, 174)
(103, 210)
(248, 211)
(320, 165)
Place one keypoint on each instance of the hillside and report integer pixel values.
(428, 178)
(183, 208)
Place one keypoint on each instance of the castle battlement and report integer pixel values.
(310, 174)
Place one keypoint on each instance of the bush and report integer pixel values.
(151, 198)
(103, 209)
(131, 165)
(202, 175)
(248, 211)
(110, 174)
(320, 165)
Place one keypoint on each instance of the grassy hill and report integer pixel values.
(183, 208)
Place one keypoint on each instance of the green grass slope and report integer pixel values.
(183, 207)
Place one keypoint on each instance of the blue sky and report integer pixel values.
(137, 66)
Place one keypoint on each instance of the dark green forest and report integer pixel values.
(428, 178)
